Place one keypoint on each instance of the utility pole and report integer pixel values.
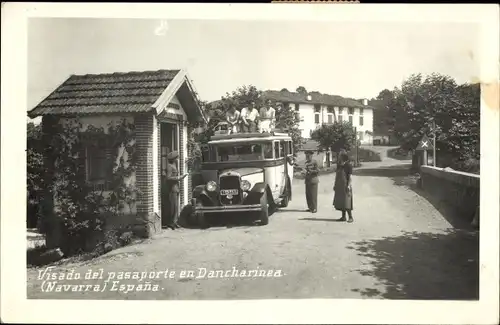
(434, 143)
(357, 151)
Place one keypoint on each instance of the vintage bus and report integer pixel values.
(244, 173)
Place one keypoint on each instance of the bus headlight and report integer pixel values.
(211, 186)
(245, 185)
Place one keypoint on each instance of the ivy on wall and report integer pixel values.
(194, 142)
(72, 205)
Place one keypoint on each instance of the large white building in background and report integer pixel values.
(316, 109)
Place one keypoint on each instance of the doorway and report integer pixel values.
(169, 141)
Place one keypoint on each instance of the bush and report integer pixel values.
(399, 153)
(126, 238)
(470, 165)
(41, 255)
(322, 171)
(368, 155)
(35, 173)
(79, 217)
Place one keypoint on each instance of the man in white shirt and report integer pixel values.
(267, 117)
(249, 117)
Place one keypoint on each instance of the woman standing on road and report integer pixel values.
(342, 200)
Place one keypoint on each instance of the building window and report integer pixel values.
(361, 121)
(330, 113)
(360, 134)
(317, 110)
(350, 119)
(351, 110)
(341, 110)
(341, 118)
(297, 111)
(361, 111)
(98, 163)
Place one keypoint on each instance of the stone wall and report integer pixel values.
(457, 189)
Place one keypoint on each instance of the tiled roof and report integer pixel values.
(106, 93)
(316, 98)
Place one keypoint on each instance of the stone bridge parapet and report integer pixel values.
(460, 190)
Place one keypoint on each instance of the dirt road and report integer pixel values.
(400, 246)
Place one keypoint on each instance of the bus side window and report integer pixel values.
(276, 149)
(282, 149)
(268, 150)
(205, 153)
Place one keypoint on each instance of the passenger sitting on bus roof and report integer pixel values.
(232, 118)
(249, 116)
(267, 117)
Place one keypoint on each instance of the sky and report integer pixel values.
(349, 59)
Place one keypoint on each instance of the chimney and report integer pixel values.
(365, 101)
(309, 97)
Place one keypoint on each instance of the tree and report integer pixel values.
(242, 97)
(437, 100)
(287, 119)
(335, 137)
(381, 112)
(216, 111)
(301, 90)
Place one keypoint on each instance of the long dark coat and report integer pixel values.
(342, 199)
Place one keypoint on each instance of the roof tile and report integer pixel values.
(106, 93)
(316, 98)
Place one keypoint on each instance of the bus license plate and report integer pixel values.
(229, 192)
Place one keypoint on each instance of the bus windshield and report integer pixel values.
(243, 152)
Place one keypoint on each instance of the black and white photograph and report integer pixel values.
(195, 153)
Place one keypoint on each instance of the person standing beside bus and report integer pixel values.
(311, 181)
(172, 183)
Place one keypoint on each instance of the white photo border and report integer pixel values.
(15, 307)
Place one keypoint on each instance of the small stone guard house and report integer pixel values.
(158, 103)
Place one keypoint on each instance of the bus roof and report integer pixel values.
(248, 137)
